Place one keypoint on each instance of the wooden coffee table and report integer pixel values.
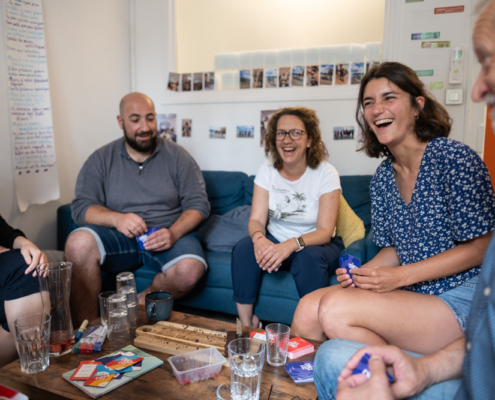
(159, 383)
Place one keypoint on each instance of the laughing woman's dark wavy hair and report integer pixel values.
(433, 120)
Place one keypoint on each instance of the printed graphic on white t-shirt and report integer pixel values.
(293, 205)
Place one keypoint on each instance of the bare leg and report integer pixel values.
(306, 322)
(14, 309)
(246, 315)
(179, 279)
(412, 321)
(81, 249)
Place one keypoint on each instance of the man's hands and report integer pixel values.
(357, 387)
(161, 240)
(411, 375)
(130, 224)
(269, 256)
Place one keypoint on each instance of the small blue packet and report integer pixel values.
(142, 239)
(349, 262)
(301, 371)
(363, 368)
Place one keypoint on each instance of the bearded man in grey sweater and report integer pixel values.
(124, 189)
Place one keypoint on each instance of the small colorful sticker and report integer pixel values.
(424, 72)
(449, 10)
(436, 85)
(425, 35)
(435, 44)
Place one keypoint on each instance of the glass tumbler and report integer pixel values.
(33, 339)
(118, 320)
(103, 300)
(246, 359)
(126, 284)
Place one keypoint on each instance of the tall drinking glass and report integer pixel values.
(118, 320)
(246, 359)
(126, 284)
(277, 344)
(103, 300)
(55, 280)
(33, 339)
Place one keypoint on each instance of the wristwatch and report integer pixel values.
(300, 242)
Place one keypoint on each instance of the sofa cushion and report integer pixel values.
(349, 226)
(356, 190)
(248, 190)
(225, 190)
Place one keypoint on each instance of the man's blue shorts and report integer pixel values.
(120, 253)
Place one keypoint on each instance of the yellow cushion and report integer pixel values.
(349, 226)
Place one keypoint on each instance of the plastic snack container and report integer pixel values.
(197, 365)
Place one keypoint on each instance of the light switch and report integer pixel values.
(454, 96)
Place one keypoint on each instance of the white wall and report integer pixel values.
(89, 70)
(220, 26)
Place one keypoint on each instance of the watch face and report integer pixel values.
(300, 240)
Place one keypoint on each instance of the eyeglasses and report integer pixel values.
(294, 134)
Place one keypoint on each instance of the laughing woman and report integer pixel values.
(433, 213)
(298, 191)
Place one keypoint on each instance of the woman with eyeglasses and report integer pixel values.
(297, 192)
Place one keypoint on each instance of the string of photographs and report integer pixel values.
(309, 67)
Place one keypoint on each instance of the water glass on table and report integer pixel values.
(33, 339)
(233, 391)
(246, 359)
(103, 300)
(119, 332)
(127, 285)
(277, 343)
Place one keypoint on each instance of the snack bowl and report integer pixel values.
(197, 365)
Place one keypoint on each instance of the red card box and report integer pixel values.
(299, 347)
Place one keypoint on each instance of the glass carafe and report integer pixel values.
(55, 280)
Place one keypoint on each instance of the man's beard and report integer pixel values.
(142, 147)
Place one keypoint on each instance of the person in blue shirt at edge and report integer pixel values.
(462, 369)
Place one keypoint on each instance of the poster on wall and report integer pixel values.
(244, 131)
(312, 72)
(342, 74)
(265, 116)
(198, 81)
(217, 132)
(186, 82)
(343, 132)
(284, 77)
(298, 76)
(186, 127)
(357, 73)
(271, 76)
(166, 126)
(245, 79)
(326, 74)
(257, 78)
(35, 163)
(209, 81)
(173, 81)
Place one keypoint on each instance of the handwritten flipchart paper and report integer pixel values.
(35, 164)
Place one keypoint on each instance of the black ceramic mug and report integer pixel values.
(159, 305)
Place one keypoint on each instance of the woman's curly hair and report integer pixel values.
(433, 120)
(315, 154)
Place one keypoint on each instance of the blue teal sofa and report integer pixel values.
(278, 295)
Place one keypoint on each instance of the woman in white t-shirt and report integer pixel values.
(298, 191)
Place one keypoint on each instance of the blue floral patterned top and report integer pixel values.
(452, 201)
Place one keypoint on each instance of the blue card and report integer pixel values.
(349, 262)
(301, 371)
(363, 368)
(142, 239)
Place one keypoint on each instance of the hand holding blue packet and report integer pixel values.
(349, 262)
(142, 239)
(363, 368)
